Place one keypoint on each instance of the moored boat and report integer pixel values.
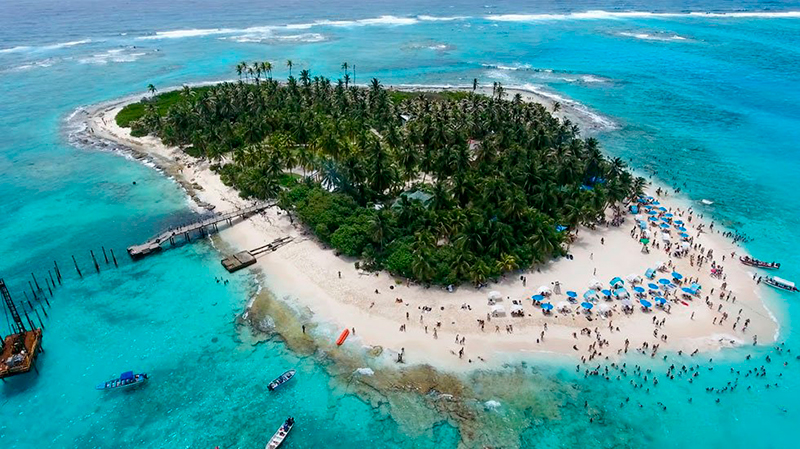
(749, 261)
(126, 379)
(280, 435)
(781, 284)
(282, 379)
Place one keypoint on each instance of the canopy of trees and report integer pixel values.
(441, 188)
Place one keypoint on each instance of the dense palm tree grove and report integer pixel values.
(442, 188)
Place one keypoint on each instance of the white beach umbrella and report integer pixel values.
(634, 278)
(665, 238)
(516, 308)
(602, 307)
(595, 284)
(495, 295)
(562, 305)
(543, 290)
(497, 309)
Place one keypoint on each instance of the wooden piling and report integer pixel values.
(58, 272)
(113, 257)
(36, 282)
(76, 267)
(41, 323)
(96, 266)
(49, 290)
(53, 282)
(104, 254)
(33, 291)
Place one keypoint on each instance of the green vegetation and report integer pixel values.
(161, 102)
(442, 188)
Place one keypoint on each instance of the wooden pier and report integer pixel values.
(244, 259)
(154, 245)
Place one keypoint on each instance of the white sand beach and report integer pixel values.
(312, 278)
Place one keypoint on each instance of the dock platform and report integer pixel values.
(244, 259)
(154, 245)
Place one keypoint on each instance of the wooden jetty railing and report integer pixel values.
(154, 244)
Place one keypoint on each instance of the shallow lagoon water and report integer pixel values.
(708, 102)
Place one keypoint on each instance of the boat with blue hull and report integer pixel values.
(126, 380)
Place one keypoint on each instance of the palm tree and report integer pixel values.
(556, 106)
(289, 64)
(474, 84)
(152, 89)
(345, 65)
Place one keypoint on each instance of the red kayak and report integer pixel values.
(342, 337)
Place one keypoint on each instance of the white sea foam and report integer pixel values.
(608, 15)
(16, 49)
(178, 34)
(271, 38)
(653, 37)
(492, 404)
(66, 44)
(427, 18)
(365, 371)
(115, 55)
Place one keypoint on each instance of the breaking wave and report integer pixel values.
(606, 15)
(654, 37)
(115, 55)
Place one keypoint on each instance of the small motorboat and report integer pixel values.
(749, 261)
(707, 202)
(781, 284)
(280, 435)
(282, 379)
(125, 380)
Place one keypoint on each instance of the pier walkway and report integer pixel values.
(154, 244)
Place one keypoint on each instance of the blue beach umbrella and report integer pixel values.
(590, 294)
(645, 303)
(679, 222)
(682, 229)
(665, 219)
(668, 215)
(653, 219)
(547, 306)
(660, 300)
(572, 294)
(664, 225)
(663, 281)
(638, 289)
(621, 293)
(537, 298)
(662, 208)
(617, 280)
(683, 234)
(676, 275)
(606, 292)
(652, 286)
(587, 305)
(651, 212)
(689, 290)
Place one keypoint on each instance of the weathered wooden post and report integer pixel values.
(36, 282)
(50, 273)
(33, 291)
(96, 266)
(114, 258)
(76, 267)
(104, 254)
(58, 272)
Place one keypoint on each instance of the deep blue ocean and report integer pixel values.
(708, 101)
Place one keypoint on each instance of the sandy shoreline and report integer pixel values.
(307, 277)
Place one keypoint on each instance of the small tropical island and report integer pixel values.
(438, 187)
(451, 227)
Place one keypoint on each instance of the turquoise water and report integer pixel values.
(709, 102)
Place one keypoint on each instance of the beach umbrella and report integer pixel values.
(518, 308)
(603, 308)
(651, 212)
(621, 293)
(638, 289)
(676, 275)
(645, 303)
(660, 300)
(650, 273)
(684, 235)
(695, 286)
(679, 222)
(498, 309)
(664, 225)
(685, 245)
(537, 298)
(543, 290)
(547, 306)
(655, 203)
(606, 292)
(681, 228)
(495, 295)
(689, 290)
(627, 303)
(663, 281)
(653, 286)
(572, 294)
(662, 208)
(616, 280)
(590, 295)
(653, 219)
(563, 305)
(645, 241)
(587, 305)
(668, 215)
(664, 219)
(595, 284)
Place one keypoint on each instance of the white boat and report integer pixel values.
(781, 284)
(707, 202)
(280, 435)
